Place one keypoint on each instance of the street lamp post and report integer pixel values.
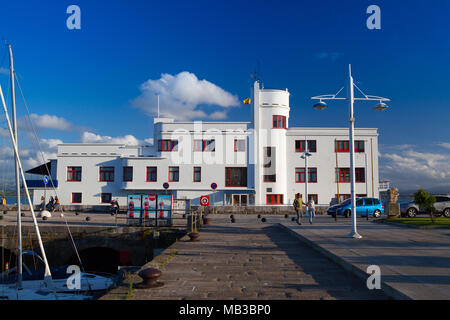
(305, 156)
(351, 98)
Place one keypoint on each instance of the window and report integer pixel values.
(359, 146)
(106, 174)
(269, 166)
(341, 146)
(344, 146)
(167, 145)
(76, 197)
(314, 197)
(127, 173)
(343, 175)
(360, 175)
(343, 197)
(239, 145)
(73, 173)
(279, 122)
(197, 174)
(236, 176)
(368, 202)
(174, 174)
(151, 174)
(106, 197)
(300, 175)
(300, 145)
(359, 202)
(205, 145)
(274, 199)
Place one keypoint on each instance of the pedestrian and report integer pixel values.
(3, 201)
(56, 203)
(51, 204)
(311, 210)
(298, 204)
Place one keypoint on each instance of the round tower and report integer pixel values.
(271, 119)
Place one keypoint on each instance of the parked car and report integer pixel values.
(442, 206)
(373, 206)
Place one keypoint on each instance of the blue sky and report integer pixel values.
(91, 77)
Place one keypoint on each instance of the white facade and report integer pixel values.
(267, 106)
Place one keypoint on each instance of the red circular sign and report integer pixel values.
(213, 186)
(204, 201)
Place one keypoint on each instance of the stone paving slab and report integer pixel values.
(414, 263)
(246, 260)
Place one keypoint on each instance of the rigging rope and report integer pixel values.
(48, 172)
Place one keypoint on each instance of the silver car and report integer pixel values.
(442, 206)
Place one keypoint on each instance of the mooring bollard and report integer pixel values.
(149, 279)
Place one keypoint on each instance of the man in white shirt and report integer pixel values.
(311, 210)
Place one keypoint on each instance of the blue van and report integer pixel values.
(373, 206)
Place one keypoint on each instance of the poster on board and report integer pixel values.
(134, 206)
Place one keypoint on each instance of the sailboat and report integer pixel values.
(32, 287)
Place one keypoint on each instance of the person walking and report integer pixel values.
(298, 204)
(3, 201)
(311, 210)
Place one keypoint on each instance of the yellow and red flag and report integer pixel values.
(247, 101)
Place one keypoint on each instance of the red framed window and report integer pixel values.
(235, 176)
(151, 174)
(360, 175)
(105, 197)
(174, 174)
(76, 197)
(106, 174)
(127, 174)
(205, 145)
(279, 122)
(300, 145)
(359, 146)
(239, 145)
(344, 146)
(73, 173)
(343, 197)
(343, 175)
(197, 174)
(300, 175)
(167, 145)
(274, 199)
(341, 146)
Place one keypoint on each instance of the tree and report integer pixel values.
(426, 201)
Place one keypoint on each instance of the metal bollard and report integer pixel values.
(367, 214)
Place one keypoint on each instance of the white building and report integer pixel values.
(255, 162)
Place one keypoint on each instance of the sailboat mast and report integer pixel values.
(16, 137)
(47, 273)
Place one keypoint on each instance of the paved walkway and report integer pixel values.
(415, 263)
(247, 260)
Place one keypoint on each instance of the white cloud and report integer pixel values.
(89, 137)
(4, 71)
(444, 145)
(47, 121)
(181, 95)
(411, 169)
